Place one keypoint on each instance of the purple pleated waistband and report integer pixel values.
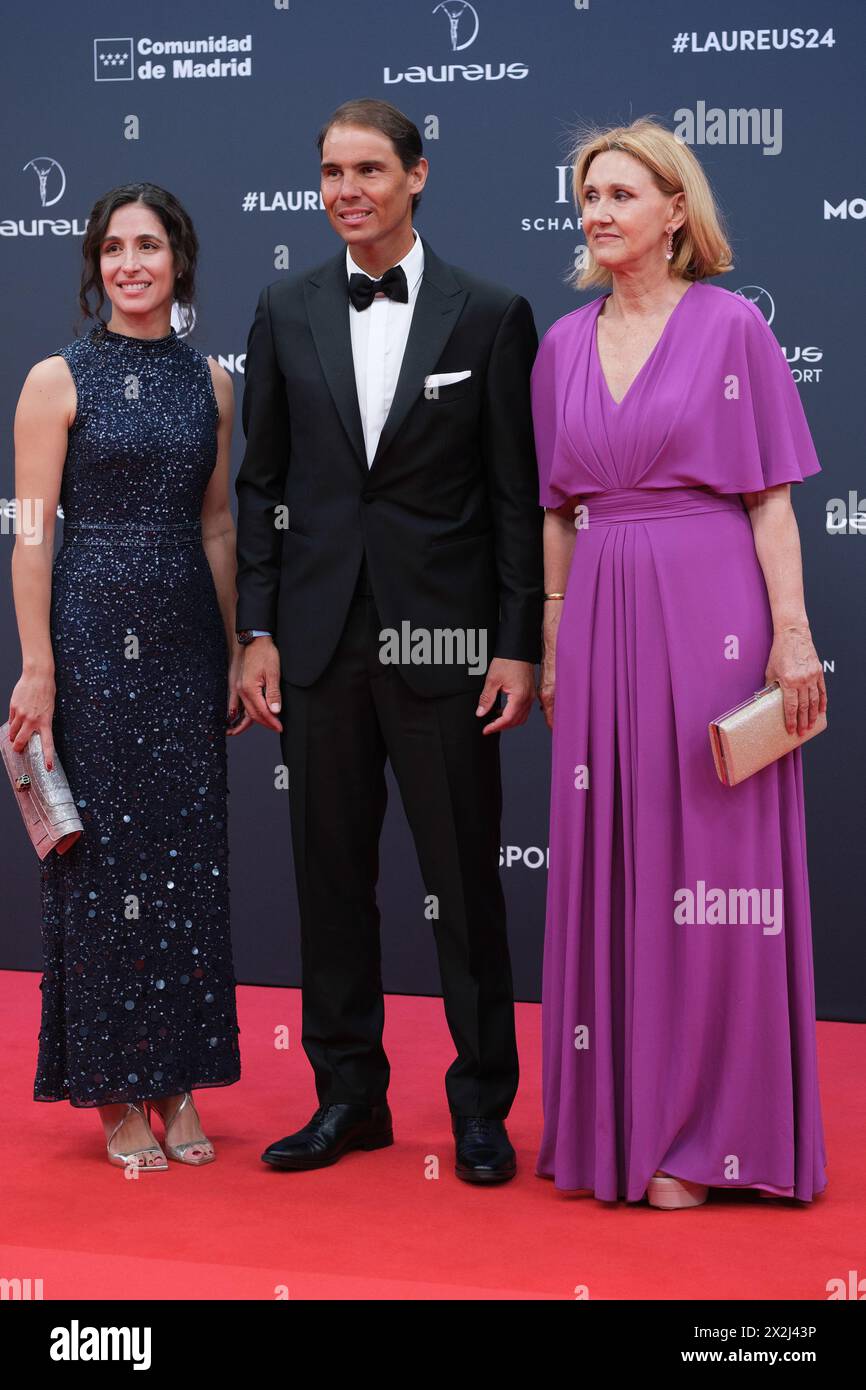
(651, 504)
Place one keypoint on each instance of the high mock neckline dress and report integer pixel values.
(138, 988)
(672, 1040)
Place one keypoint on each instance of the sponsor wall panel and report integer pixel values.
(221, 104)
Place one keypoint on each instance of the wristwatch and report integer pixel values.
(248, 633)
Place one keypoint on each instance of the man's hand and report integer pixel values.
(516, 679)
(237, 720)
(260, 685)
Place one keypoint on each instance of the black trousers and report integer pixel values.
(337, 734)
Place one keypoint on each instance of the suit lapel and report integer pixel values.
(437, 309)
(327, 303)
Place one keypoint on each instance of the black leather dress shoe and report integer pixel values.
(484, 1152)
(332, 1132)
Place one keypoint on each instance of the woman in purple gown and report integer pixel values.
(679, 1038)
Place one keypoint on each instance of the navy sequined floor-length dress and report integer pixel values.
(138, 989)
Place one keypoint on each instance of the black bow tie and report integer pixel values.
(393, 284)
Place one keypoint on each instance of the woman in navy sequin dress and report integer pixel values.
(126, 661)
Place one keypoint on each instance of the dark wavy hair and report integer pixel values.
(179, 230)
(388, 120)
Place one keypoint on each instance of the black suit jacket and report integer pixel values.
(447, 514)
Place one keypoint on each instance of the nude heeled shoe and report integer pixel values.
(151, 1159)
(670, 1194)
(195, 1151)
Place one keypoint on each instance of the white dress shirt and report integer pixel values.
(379, 336)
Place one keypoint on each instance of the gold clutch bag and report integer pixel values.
(753, 734)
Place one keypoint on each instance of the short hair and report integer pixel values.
(388, 120)
(700, 245)
(179, 229)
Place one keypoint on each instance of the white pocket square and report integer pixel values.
(445, 378)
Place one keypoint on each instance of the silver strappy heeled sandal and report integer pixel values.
(148, 1160)
(194, 1151)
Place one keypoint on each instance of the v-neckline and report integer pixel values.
(636, 378)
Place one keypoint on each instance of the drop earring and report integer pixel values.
(669, 254)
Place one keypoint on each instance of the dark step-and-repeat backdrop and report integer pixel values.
(220, 102)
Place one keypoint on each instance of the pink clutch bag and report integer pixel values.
(43, 797)
(753, 734)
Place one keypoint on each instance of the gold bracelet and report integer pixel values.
(547, 596)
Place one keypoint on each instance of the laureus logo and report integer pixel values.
(805, 362)
(458, 11)
(51, 179)
(463, 26)
(761, 298)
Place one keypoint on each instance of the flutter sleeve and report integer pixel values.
(545, 383)
(770, 440)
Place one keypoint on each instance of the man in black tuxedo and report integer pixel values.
(389, 535)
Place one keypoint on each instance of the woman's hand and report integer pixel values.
(547, 682)
(31, 710)
(236, 704)
(794, 663)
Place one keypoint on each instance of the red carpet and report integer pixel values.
(374, 1226)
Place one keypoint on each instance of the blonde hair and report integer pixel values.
(700, 245)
